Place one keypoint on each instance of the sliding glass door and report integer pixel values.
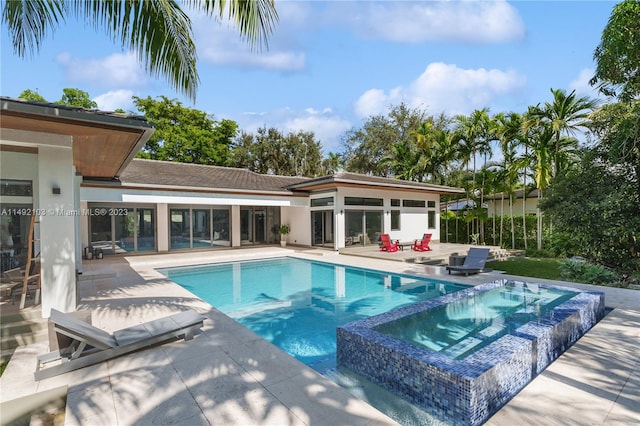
(362, 227)
(258, 225)
(322, 225)
(200, 227)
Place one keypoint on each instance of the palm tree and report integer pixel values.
(159, 31)
(474, 134)
(563, 117)
(404, 161)
(434, 149)
(542, 147)
(555, 125)
(508, 131)
(332, 164)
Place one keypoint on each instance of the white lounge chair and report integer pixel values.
(91, 345)
(473, 263)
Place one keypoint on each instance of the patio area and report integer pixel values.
(229, 375)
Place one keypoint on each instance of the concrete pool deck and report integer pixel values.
(229, 375)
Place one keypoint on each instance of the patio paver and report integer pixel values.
(229, 375)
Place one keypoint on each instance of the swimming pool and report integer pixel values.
(297, 304)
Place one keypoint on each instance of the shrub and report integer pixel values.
(579, 270)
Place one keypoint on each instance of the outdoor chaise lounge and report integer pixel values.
(473, 262)
(90, 345)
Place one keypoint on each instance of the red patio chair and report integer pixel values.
(422, 245)
(387, 245)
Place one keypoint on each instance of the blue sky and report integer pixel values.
(330, 65)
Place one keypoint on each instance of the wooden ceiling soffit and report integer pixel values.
(99, 150)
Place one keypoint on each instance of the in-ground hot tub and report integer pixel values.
(464, 355)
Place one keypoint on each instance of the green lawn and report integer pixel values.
(529, 267)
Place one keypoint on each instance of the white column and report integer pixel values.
(235, 226)
(78, 218)
(57, 181)
(162, 226)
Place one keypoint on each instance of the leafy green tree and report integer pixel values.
(269, 151)
(185, 135)
(76, 97)
(595, 206)
(70, 96)
(617, 56)
(618, 127)
(30, 95)
(332, 163)
(158, 31)
(241, 152)
(365, 148)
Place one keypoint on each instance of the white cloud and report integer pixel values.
(445, 88)
(415, 22)
(326, 125)
(118, 69)
(581, 84)
(221, 44)
(327, 128)
(279, 61)
(115, 99)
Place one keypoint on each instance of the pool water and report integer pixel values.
(464, 326)
(297, 304)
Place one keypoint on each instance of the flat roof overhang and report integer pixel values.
(103, 143)
(323, 184)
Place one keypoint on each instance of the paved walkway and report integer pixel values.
(229, 375)
(596, 382)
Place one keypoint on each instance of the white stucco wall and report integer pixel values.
(413, 221)
(299, 220)
(495, 207)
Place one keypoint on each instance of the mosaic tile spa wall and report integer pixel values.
(462, 384)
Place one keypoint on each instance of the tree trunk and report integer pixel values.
(524, 217)
(513, 223)
(539, 214)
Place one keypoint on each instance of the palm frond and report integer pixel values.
(158, 31)
(30, 21)
(255, 19)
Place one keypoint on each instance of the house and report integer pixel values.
(45, 152)
(496, 203)
(75, 170)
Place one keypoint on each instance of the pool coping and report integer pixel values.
(128, 291)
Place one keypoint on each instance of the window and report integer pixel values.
(395, 202)
(431, 204)
(16, 188)
(431, 219)
(322, 202)
(180, 231)
(413, 203)
(361, 201)
(115, 229)
(395, 220)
